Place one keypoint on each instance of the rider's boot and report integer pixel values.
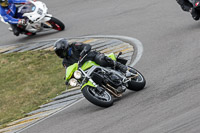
(117, 65)
(123, 68)
(15, 29)
(16, 32)
(120, 66)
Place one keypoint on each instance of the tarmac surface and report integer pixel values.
(170, 64)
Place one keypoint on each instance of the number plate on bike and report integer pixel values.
(40, 11)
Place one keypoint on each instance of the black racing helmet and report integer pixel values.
(61, 47)
(4, 3)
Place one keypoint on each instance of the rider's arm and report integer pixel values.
(8, 18)
(20, 1)
(84, 48)
(66, 63)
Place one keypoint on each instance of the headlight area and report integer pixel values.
(73, 82)
(77, 74)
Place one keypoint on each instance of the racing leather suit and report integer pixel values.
(9, 14)
(77, 50)
(74, 53)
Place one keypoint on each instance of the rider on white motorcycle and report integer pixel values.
(8, 12)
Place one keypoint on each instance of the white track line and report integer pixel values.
(133, 41)
(43, 119)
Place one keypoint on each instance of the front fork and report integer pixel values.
(46, 19)
(87, 78)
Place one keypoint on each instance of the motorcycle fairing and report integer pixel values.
(38, 13)
(88, 64)
(89, 83)
(112, 56)
(70, 70)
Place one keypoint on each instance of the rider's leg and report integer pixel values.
(105, 61)
(99, 59)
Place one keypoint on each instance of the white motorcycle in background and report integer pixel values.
(37, 18)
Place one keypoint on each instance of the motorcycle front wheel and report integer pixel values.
(137, 83)
(56, 24)
(102, 99)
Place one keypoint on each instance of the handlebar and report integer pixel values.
(79, 62)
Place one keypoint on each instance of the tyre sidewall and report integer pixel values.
(58, 22)
(94, 100)
(136, 86)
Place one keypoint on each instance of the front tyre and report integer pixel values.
(102, 99)
(136, 83)
(56, 24)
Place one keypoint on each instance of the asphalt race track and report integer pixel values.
(170, 63)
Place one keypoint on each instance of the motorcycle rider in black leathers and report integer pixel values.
(188, 7)
(72, 52)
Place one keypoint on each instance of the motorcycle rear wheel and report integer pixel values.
(138, 83)
(104, 99)
(56, 24)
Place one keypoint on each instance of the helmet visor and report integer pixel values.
(61, 53)
(4, 4)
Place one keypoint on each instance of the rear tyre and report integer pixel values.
(138, 83)
(56, 24)
(103, 99)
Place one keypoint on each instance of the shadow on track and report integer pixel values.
(37, 36)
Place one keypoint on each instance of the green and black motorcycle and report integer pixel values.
(100, 85)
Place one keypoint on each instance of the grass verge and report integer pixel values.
(27, 80)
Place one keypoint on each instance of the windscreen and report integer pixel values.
(27, 8)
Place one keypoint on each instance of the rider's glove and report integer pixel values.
(110, 61)
(22, 22)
